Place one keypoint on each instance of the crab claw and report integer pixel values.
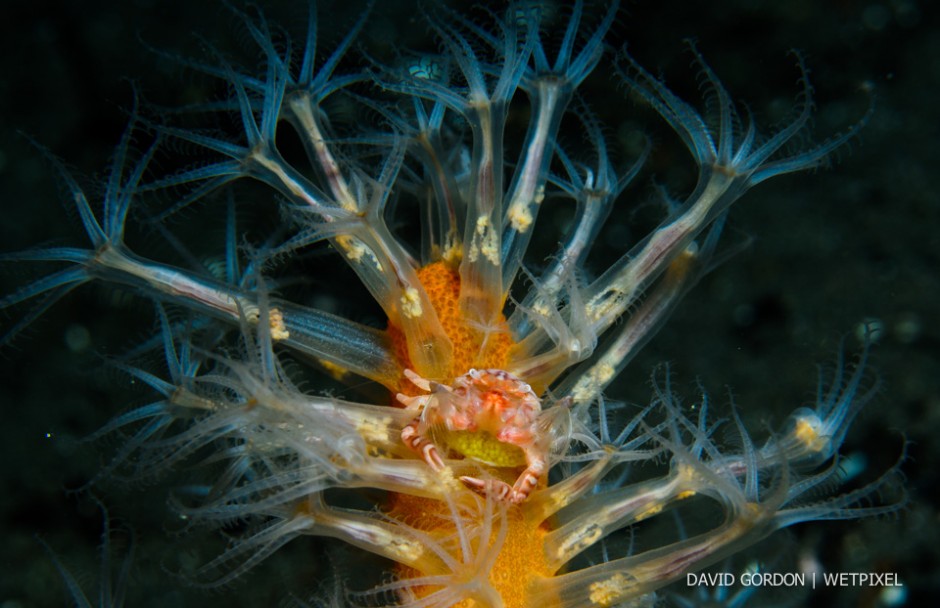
(417, 380)
(411, 402)
(413, 438)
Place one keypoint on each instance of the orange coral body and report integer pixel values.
(521, 559)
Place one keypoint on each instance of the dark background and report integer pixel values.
(830, 248)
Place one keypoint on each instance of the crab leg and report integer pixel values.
(519, 492)
(499, 490)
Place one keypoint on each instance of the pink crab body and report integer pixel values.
(490, 401)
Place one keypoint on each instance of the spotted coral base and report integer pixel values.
(519, 566)
(521, 560)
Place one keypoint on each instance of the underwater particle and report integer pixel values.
(77, 338)
(876, 17)
(893, 596)
(908, 328)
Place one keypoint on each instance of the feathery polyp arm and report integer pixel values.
(550, 86)
(547, 502)
(617, 581)
(481, 284)
(598, 516)
(484, 107)
(440, 210)
(528, 188)
(304, 116)
(611, 294)
(816, 434)
(265, 164)
(341, 342)
(387, 273)
(117, 264)
(349, 345)
(372, 252)
(588, 382)
(411, 476)
(372, 533)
